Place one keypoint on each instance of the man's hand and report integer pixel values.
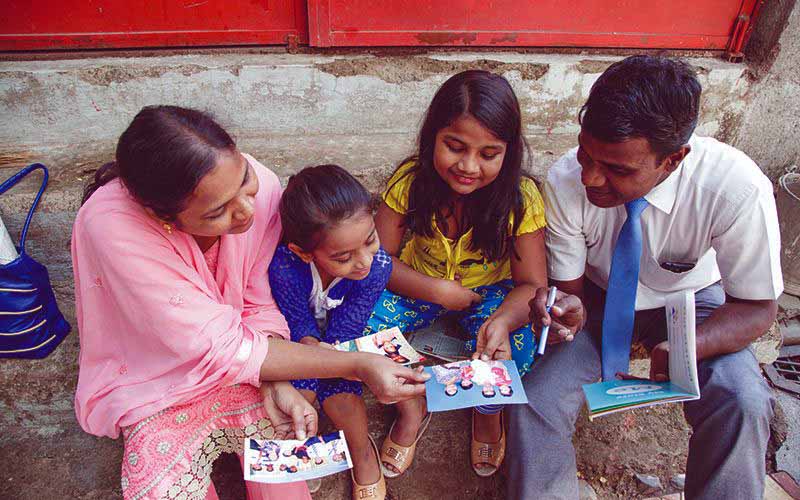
(292, 416)
(453, 296)
(493, 341)
(566, 317)
(659, 362)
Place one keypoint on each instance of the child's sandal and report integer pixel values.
(374, 491)
(491, 454)
(398, 456)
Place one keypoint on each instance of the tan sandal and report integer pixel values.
(491, 454)
(374, 491)
(399, 456)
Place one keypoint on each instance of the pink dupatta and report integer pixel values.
(156, 328)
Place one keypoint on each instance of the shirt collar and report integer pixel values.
(663, 196)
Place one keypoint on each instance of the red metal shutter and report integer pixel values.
(676, 24)
(78, 24)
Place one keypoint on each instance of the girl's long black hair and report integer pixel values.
(488, 98)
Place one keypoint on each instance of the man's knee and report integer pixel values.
(744, 402)
(751, 403)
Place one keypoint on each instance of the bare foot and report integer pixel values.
(365, 464)
(410, 415)
(487, 430)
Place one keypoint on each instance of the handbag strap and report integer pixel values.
(13, 181)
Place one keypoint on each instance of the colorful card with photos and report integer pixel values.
(470, 383)
(390, 343)
(290, 460)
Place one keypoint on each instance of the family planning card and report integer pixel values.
(469, 383)
(390, 343)
(290, 460)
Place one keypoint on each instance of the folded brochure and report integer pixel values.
(613, 396)
(291, 460)
(390, 343)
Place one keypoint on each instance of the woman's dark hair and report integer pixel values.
(318, 198)
(489, 99)
(163, 155)
(644, 96)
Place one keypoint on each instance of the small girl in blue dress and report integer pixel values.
(326, 277)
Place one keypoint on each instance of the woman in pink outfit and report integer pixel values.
(179, 332)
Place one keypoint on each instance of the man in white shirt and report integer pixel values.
(701, 216)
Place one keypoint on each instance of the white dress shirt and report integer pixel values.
(716, 211)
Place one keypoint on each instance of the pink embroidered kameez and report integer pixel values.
(172, 340)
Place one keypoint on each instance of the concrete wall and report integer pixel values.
(771, 121)
(361, 111)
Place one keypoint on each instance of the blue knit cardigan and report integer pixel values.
(291, 284)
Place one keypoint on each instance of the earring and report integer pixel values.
(167, 227)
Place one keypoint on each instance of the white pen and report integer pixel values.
(551, 299)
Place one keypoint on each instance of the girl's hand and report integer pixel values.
(389, 381)
(493, 341)
(455, 297)
(291, 414)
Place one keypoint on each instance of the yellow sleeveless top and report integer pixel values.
(442, 257)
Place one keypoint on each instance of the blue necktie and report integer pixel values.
(623, 280)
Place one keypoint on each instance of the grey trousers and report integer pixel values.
(730, 421)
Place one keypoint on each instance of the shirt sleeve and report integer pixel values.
(349, 319)
(565, 239)
(397, 189)
(748, 246)
(291, 287)
(533, 217)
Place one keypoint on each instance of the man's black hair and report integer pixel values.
(655, 98)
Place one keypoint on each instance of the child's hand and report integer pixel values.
(493, 341)
(291, 414)
(453, 296)
(309, 340)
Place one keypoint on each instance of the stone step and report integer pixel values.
(39, 406)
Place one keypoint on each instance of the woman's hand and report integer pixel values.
(292, 416)
(390, 382)
(453, 296)
(493, 341)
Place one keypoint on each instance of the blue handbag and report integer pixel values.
(31, 325)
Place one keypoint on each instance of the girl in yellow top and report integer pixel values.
(476, 246)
